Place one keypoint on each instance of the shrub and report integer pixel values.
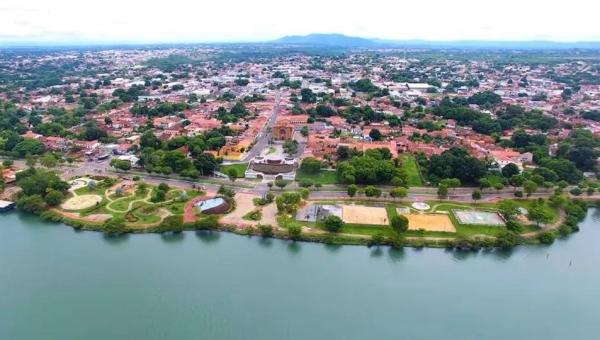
(333, 223)
(51, 216)
(519, 193)
(114, 226)
(295, 231)
(514, 226)
(171, 223)
(372, 191)
(507, 240)
(564, 229)
(305, 183)
(376, 239)
(163, 187)
(576, 192)
(546, 237)
(207, 223)
(254, 215)
(32, 204)
(266, 230)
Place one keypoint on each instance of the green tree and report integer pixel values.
(311, 165)
(540, 213)
(232, 174)
(510, 169)
(508, 208)
(530, 187)
(442, 191)
(399, 223)
(49, 161)
(399, 192)
(304, 131)
(333, 223)
(32, 204)
(53, 197)
(376, 135)
(352, 189)
(476, 195)
(290, 146)
(281, 183)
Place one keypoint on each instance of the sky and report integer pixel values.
(151, 21)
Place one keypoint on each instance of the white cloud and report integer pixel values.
(243, 20)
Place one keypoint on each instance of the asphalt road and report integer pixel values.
(262, 140)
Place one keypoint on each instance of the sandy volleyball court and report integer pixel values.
(430, 222)
(81, 202)
(360, 214)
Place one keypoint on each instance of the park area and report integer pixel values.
(435, 219)
(140, 205)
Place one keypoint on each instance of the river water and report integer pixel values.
(56, 283)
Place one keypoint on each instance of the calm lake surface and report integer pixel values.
(56, 283)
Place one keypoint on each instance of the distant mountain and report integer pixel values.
(491, 44)
(327, 40)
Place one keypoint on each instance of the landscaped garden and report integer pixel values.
(138, 205)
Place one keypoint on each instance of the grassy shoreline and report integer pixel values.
(450, 241)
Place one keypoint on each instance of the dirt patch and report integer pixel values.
(430, 222)
(269, 214)
(98, 217)
(243, 205)
(81, 202)
(360, 214)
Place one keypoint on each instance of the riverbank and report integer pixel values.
(564, 225)
(119, 206)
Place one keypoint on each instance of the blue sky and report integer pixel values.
(258, 20)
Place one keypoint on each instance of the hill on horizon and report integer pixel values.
(341, 40)
(333, 39)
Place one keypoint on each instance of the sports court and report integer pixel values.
(474, 217)
(360, 214)
(430, 222)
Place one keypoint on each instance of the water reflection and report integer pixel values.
(396, 254)
(294, 247)
(265, 242)
(332, 248)
(115, 239)
(376, 251)
(208, 236)
(172, 237)
(503, 254)
(462, 255)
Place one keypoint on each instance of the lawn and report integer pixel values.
(412, 169)
(239, 168)
(323, 177)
